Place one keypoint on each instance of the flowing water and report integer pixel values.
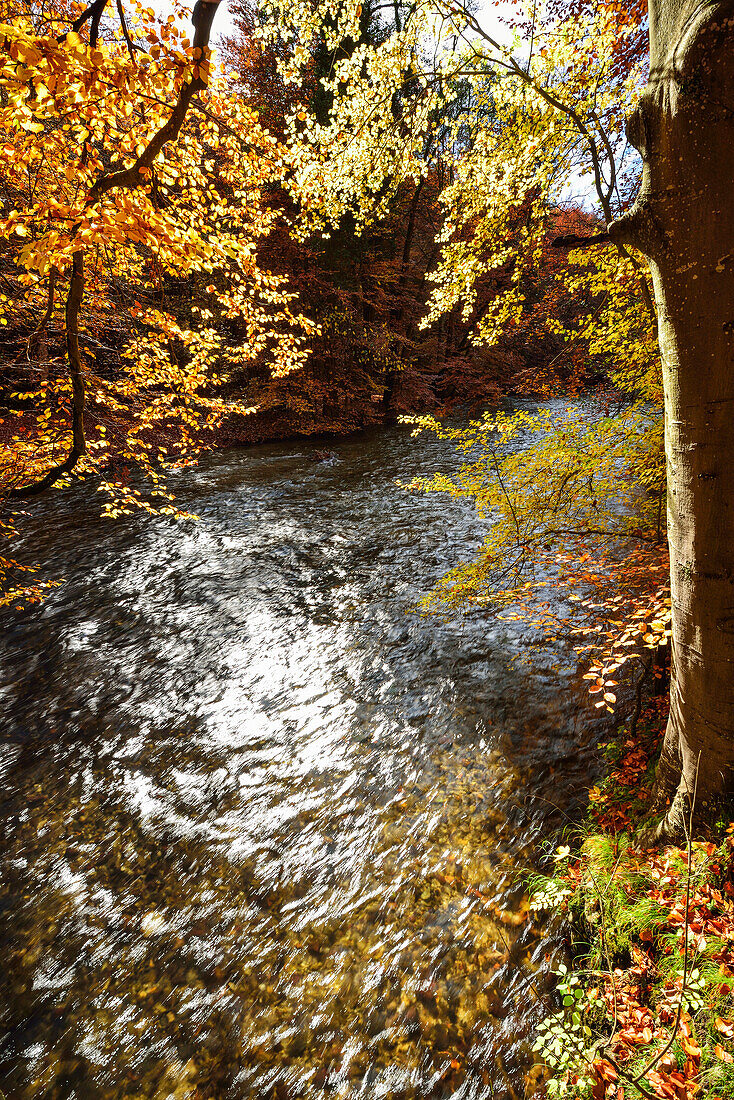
(266, 830)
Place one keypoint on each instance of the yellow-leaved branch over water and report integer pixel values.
(130, 170)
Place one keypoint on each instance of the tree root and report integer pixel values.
(671, 828)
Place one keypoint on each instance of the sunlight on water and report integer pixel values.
(266, 830)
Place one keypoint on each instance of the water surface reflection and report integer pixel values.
(264, 829)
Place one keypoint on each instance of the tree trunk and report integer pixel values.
(409, 234)
(78, 396)
(684, 223)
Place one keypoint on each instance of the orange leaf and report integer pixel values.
(606, 1070)
(690, 1047)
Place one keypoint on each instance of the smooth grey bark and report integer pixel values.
(683, 222)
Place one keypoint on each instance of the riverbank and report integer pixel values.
(647, 1005)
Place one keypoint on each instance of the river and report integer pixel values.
(266, 830)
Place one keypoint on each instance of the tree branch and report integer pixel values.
(573, 241)
(93, 12)
(34, 338)
(131, 46)
(202, 17)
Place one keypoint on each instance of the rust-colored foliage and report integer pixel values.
(665, 928)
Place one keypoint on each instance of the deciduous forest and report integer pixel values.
(367, 549)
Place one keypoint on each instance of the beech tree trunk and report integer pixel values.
(683, 222)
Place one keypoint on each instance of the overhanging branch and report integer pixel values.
(202, 17)
(573, 241)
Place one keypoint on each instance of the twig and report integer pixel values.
(623, 1073)
(506, 494)
(638, 700)
(605, 942)
(689, 834)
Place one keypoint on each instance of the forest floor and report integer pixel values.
(647, 1006)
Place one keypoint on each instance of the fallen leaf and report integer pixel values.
(690, 1048)
(606, 1070)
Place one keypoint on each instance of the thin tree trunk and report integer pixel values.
(76, 373)
(38, 342)
(409, 233)
(684, 222)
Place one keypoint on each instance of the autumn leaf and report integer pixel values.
(690, 1047)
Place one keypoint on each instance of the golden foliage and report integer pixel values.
(129, 166)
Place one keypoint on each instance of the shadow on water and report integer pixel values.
(265, 830)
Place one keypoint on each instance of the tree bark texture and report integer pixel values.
(683, 222)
